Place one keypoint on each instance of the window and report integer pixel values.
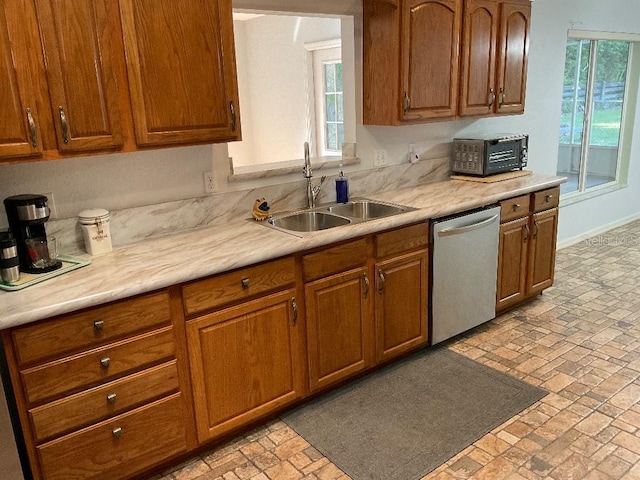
(594, 111)
(329, 111)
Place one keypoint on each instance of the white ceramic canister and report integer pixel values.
(95, 229)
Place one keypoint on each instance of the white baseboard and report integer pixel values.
(596, 231)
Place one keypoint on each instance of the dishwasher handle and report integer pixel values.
(467, 228)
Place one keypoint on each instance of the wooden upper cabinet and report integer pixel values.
(478, 93)
(515, 20)
(181, 68)
(80, 41)
(430, 50)
(19, 119)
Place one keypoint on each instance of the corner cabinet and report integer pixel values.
(527, 247)
(448, 59)
(181, 70)
(494, 60)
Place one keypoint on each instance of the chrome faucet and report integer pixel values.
(312, 191)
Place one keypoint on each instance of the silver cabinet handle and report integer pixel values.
(32, 128)
(65, 125)
(501, 97)
(535, 229)
(383, 279)
(105, 362)
(232, 108)
(98, 325)
(245, 283)
(366, 286)
(294, 307)
(527, 232)
(111, 398)
(492, 97)
(406, 103)
(117, 432)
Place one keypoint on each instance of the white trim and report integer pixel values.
(595, 35)
(323, 45)
(596, 231)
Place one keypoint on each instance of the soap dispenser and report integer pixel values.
(342, 187)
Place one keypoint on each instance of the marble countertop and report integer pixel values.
(181, 257)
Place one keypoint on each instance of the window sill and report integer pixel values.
(593, 192)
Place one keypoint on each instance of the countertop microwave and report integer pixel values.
(488, 154)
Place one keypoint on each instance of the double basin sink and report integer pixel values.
(303, 222)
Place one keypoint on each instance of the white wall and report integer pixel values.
(127, 180)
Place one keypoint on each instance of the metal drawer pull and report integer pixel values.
(105, 361)
(65, 125)
(366, 286)
(383, 279)
(516, 206)
(117, 432)
(98, 325)
(111, 398)
(32, 129)
(527, 233)
(294, 307)
(548, 198)
(245, 283)
(535, 230)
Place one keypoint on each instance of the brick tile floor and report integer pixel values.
(580, 340)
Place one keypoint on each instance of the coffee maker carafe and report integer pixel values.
(27, 215)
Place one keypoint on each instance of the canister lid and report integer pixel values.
(93, 215)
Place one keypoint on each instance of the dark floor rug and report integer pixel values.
(404, 420)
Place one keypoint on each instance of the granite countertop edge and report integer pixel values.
(182, 257)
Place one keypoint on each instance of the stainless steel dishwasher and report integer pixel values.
(465, 269)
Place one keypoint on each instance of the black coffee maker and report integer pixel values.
(27, 215)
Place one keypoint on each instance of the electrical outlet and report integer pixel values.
(51, 203)
(208, 182)
(379, 157)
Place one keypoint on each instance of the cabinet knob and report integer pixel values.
(98, 325)
(111, 398)
(548, 198)
(516, 207)
(117, 432)
(105, 361)
(245, 283)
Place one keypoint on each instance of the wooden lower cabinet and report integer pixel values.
(527, 247)
(339, 329)
(401, 304)
(245, 362)
(119, 447)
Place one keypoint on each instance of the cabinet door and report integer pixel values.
(339, 334)
(430, 51)
(512, 262)
(401, 304)
(181, 68)
(245, 362)
(81, 43)
(19, 120)
(512, 60)
(478, 65)
(542, 251)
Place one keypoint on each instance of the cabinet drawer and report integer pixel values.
(240, 284)
(79, 331)
(546, 199)
(514, 208)
(119, 447)
(402, 240)
(53, 379)
(334, 260)
(100, 403)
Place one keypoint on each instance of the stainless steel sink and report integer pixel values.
(308, 221)
(366, 209)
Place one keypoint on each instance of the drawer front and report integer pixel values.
(334, 260)
(52, 380)
(513, 208)
(222, 289)
(99, 403)
(402, 240)
(546, 199)
(79, 331)
(119, 447)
